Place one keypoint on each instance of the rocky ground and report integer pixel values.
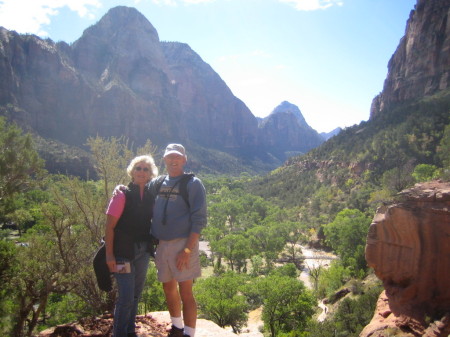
(155, 324)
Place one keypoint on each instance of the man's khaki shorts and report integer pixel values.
(165, 260)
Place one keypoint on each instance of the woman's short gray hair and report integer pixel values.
(147, 159)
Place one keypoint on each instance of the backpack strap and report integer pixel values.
(182, 183)
(183, 187)
(158, 183)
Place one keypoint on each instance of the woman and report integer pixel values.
(128, 242)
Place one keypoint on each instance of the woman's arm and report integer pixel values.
(111, 222)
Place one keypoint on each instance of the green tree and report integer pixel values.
(8, 269)
(219, 300)
(19, 161)
(347, 236)
(235, 248)
(153, 295)
(111, 158)
(444, 148)
(288, 305)
(44, 267)
(353, 315)
(57, 254)
(332, 278)
(425, 172)
(266, 241)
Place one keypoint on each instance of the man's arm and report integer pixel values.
(185, 254)
(197, 201)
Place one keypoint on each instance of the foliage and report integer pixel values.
(19, 161)
(8, 269)
(379, 154)
(444, 148)
(111, 158)
(241, 226)
(328, 195)
(219, 300)
(332, 279)
(425, 172)
(287, 304)
(64, 308)
(347, 236)
(153, 298)
(351, 317)
(56, 255)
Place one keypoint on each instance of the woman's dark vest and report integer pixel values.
(135, 222)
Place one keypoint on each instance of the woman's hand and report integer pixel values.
(111, 262)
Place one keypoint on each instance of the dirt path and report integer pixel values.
(253, 324)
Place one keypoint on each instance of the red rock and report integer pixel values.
(408, 247)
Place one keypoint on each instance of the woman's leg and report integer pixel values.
(139, 267)
(124, 304)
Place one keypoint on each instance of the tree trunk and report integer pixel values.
(22, 317)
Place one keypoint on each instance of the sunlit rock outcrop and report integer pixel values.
(408, 247)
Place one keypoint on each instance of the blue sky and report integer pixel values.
(328, 57)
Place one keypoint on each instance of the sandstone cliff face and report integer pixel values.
(209, 110)
(421, 64)
(408, 247)
(118, 79)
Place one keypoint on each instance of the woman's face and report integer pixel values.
(141, 173)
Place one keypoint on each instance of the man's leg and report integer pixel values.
(172, 298)
(174, 305)
(189, 306)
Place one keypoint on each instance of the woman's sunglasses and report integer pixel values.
(145, 169)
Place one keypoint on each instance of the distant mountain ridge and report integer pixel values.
(281, 130)
(118, 79)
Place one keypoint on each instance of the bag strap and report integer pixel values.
(182, 183)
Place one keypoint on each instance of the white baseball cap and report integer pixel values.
(175, 148)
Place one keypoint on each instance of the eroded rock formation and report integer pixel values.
(408, 246)
(421, 64)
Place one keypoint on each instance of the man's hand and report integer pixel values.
(183, 260)
(118, 189)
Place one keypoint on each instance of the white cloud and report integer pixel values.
(25, 16)
(311, 5)
(177, 2)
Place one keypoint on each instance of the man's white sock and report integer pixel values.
(189, 331)
(177, 322)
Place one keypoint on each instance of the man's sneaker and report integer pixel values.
(186, 336)
(176, 332)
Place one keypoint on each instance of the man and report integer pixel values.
(177, 224)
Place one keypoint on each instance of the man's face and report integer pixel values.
(174, 164)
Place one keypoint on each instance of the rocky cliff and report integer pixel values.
(420, 65)
(409, 249)
(119, 79)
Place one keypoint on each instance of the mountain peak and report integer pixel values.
(286, 107)
(121, 41)
(122, 25)
(126, 18)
